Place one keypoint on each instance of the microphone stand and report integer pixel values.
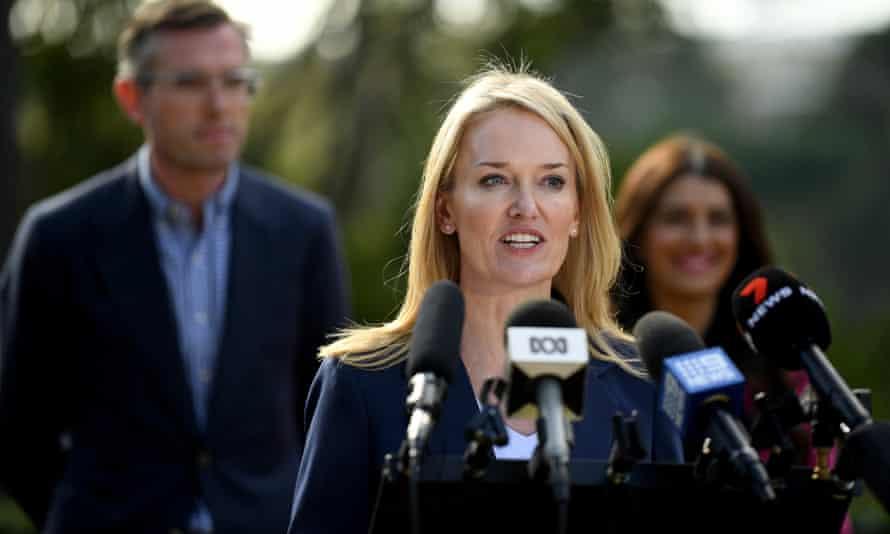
(550, 460)
(423, 404)
(776, 416)
(485, 430)
(719, 464)
(627, 451)
(826, 431)
(829, 430)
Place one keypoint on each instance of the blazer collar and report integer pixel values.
(129, 266)
(252, 279)
(592, 434)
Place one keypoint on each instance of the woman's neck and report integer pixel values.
(698, 312)
(482, 345)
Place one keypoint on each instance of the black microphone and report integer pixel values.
(700, 391)
(548, 360)
(785, 321)
(866, 455)
(432, 356)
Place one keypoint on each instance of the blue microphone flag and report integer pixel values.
(696, 378)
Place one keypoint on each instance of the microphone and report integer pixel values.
(785, 321)
(866, 455)
(432, 356)
(548, 359)
(700, 391)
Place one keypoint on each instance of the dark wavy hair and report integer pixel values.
(640, 191)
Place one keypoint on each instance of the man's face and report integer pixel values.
(195, 102)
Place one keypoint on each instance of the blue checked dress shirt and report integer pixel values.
(195, 261)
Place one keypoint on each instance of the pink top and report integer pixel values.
(800, 381)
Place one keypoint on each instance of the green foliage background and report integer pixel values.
(353, 116)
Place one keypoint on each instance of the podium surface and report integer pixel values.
(655, 498)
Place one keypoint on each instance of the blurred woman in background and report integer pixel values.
(692, 230)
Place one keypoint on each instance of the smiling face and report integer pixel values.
(513, 203)
(690, 244)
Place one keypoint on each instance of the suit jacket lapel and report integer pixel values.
(593, 433)
(252, 278)
(458, 409)
(129, 264)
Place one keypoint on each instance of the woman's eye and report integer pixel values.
(673, 217)
(492, 180)
(721, 218)
(555, 182)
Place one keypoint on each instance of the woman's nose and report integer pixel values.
(699, 231)
(523, 204)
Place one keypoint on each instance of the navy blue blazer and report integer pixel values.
(90, 352)
(357, 416)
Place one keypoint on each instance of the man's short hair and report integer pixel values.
(135, 46)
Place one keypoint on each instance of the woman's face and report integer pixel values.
(513, 204)
(690, 244)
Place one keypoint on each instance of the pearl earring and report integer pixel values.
(574, 231)
(447, 228)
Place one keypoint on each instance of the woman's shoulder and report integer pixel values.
(338, 384)
(349, 368)
(623, 347)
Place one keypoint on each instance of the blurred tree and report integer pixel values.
(67, 126)
(9, 160)
(355, 116)
(856, 128)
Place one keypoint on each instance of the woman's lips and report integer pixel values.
(696, 264)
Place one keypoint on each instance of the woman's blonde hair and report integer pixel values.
(593, 259)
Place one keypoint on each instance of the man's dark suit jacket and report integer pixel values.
(357, 416)
(91, 354)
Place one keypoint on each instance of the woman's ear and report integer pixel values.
(443, 213)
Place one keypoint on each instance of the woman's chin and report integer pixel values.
(697, 289)
(528, 281)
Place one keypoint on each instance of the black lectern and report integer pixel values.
(654, 498)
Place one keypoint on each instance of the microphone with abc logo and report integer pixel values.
(548, 359)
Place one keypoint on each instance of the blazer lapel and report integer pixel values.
(593, 433)
(129, 264)
(458, 409)
(252, 279)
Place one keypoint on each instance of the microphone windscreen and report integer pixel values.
(435, 341)
(661, 335)
(780, 315)
(542, 313)
(866, 455)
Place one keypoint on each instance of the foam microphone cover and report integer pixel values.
(780, 315)
(866, 455)
(661, 335)
(866, 448)
(435, 341)
(542, 314)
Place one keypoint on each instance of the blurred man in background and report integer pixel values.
(162, 318)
